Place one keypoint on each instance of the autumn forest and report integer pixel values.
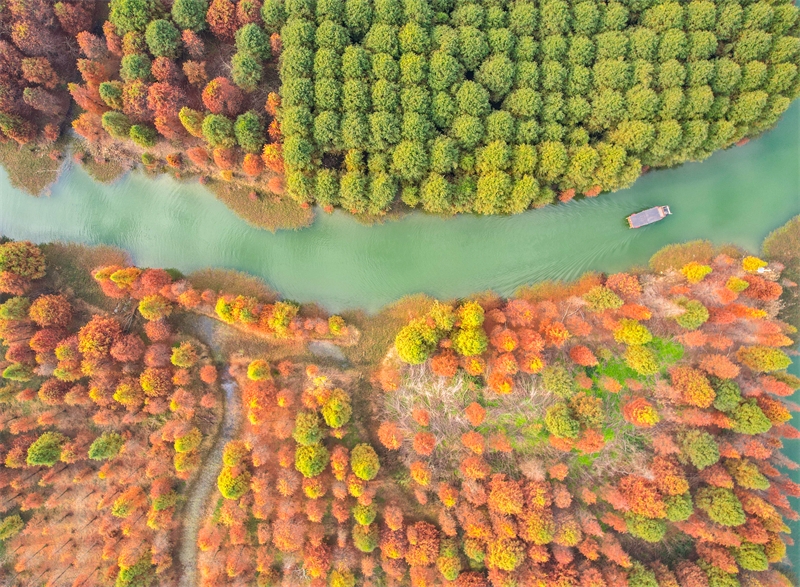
(613, 419)
(620, 430)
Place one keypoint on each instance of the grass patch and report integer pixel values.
(30, 167)
(233, 282)
(266, 211)
(69, 269)
(104, 171)
(378, 331)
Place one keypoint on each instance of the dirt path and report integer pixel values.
(205, 484)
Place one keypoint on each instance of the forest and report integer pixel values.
(622, 430)
(451, 106)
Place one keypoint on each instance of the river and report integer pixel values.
(735, 196)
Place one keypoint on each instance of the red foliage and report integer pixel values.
(220, 96)
(390, 435)
(252, 165)
(424, 443)
(91, 45)
(225, 158)
(582, 356)
(624, 284)
(197, 155)
(445, 363)
(719, 366)
(475, 413)
(76, 16)
(221, 17)
(761, 289)
(194, 45)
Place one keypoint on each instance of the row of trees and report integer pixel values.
(102, 425)
(489, 109)
(298, 460)
(278, 319)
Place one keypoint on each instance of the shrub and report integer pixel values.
(143, 135)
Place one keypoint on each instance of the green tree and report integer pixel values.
(748, 418)
(218, 131)
(233, 483)
(46, 450)
(116, 124)
(364, 462)
(163, 39)
(132, 15)
(143, 135)
(246, 71)
(700, 448)
(106, 446)
(306, 429)
(311, 460)
(721, 505)
(252, 40)
(10, 527)
(560, 422)
(647, 529)
(190, 14)
(192, 121)
(337, 409)
(416, 341)
(135, 66)
(249, 131)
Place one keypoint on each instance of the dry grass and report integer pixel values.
(30, 167)
(69, 270)
(235, 282)
(378, 330)
(105, 171)
(266, 211)
(519, 415)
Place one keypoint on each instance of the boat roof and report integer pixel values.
(645, 217)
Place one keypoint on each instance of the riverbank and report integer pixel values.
(737, 196)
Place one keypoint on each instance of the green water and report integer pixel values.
(735, 196)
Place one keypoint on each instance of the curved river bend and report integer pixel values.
(736, 196)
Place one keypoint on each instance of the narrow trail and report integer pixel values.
(205, 484)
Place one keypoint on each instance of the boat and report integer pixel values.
(648, 216)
